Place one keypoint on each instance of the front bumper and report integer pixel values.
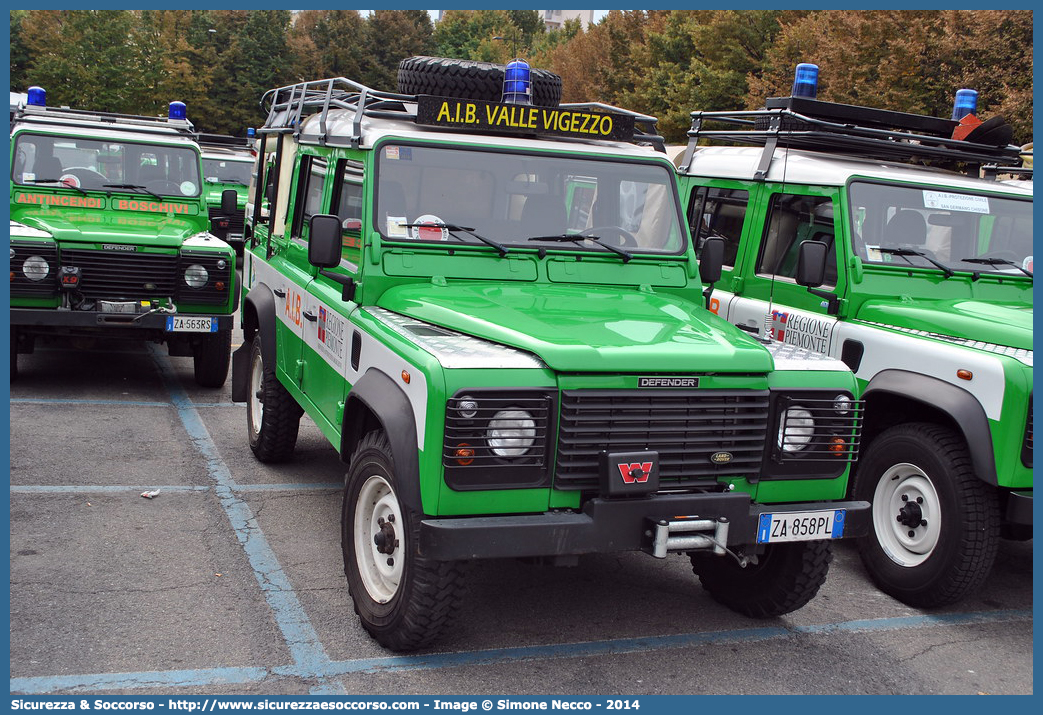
(53, 318)
(607, 525)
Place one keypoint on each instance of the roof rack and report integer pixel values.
(223, 140)
(75, 117)
(286, 108)
(801, 123)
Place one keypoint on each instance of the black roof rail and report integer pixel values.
(287, 106)
(223, 140)
(801, 123)
(75, 117)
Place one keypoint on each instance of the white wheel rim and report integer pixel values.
(256, 386)
(377, 506)
(902, 490)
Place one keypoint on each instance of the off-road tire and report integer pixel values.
(405, 606)
(961, 512)
(272, 432)
(210, 358)
(785, 577)
(470, 79)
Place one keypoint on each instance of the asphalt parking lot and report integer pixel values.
(230, 580)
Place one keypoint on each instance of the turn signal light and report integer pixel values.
(464, 454)
(965, 374)
(837, 446)
(405, 377)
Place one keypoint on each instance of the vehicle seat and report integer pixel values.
(543, 215)
(48, 167)
(906, 228)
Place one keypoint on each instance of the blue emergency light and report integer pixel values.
(966, 103)
(517, 83)
(805, 82)
(37, 96)
(250, 132)
(178, 110)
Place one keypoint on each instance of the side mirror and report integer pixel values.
(229, 202)
(711, 260)
(324, 245)
(811, 264)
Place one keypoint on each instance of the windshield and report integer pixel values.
(93, 164)
(514, 198)
(227, 171)
(962, 231)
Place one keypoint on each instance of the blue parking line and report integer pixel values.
(222, 676)
(63, 401)
(293, 622)
(324, 486)
(102, 488)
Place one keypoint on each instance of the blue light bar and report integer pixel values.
(966, 103)
(250, 132)
(517, 84)
(178, 111)
(805, 82)
(37, 96)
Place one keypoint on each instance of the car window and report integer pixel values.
(311, 181)
(718, 212)
(347, 205)
(792, 220)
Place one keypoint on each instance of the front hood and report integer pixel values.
(139, 229)
(997, 323)
(586, 328)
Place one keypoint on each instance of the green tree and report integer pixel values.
(911, 61)
(391, 36)
(20, 53)
(328, 43)
(84, 58)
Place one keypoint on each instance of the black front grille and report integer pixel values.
(218, 285)
(22, 286)
(685, 427)
(235, 222)
(124, 275)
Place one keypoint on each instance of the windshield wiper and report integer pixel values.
(906, 252)
(133, 186)
(56, 181)
(451, 227)
(997, 262)
(237, 182)
(577, 237)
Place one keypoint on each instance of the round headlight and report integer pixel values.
(467, 407)
(511, 433)
(196, 276)
(36, 268)
(841, 404)
(796, 429)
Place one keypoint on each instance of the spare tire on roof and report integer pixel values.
(470, 79)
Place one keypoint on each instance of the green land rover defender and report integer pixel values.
(494, 313)
(110, 236)
(849, 232)
(227, 164)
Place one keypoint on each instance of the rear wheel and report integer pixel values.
(936, 526)
(273, 417)
(404, 600)
(785, 577)
(210, 358)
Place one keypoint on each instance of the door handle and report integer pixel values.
(279, 292)
(310, 316)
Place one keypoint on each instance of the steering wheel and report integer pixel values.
(627, 238)
(161, 186)
(89, 178)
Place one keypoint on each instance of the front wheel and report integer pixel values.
(210, 358)
(936, 526)
(273, 417)
(404, 600)
(785, 577)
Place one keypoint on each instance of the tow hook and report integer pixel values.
(683, 534)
